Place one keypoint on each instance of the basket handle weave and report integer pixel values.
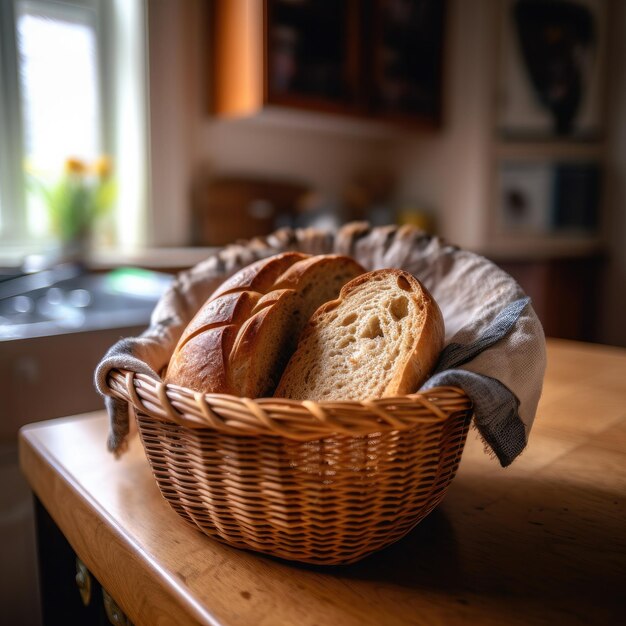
(293, 419)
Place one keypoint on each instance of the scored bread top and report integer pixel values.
(380, 338)
(239, 341)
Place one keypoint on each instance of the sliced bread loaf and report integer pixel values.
(240, 340)
(380, 338)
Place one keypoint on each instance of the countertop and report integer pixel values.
(541, 542)
(532, 248)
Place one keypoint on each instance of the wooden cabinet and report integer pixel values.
(227, 209)
(69, 592)
(46, 377)
(372, 59)
(565, 293)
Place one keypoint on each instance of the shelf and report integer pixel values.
(322, 122)
(541, 247)
(549, 150)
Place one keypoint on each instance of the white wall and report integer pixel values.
(449, 170)
(173, 69)
(325, 154)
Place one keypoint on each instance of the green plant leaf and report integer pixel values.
(104, 197)
(74, 202)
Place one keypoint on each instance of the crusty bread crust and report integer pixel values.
(240, 340)
(357, 349)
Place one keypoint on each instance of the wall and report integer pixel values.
(448, 171)
(298, 146)
(322, 150)
(187, 142)
(173, 38)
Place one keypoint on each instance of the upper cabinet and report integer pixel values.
(372, 59)
(312, 54)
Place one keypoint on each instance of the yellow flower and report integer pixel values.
(103, 166)
(75, 166)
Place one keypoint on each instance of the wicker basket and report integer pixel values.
(323, 483)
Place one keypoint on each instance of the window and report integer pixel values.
(58, 83)
(67, 92)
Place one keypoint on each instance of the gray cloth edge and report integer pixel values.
(490, 399)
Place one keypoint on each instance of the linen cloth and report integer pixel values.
(494, 346)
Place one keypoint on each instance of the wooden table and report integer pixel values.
(542, 542)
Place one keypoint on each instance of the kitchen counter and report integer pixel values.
(542, 541)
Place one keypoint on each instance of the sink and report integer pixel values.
(55, 327)
(69, 301)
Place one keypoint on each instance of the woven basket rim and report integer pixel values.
(300, 420)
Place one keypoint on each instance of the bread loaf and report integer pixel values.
(380, 338)
(240, 340)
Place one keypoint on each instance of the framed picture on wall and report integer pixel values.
(524, 195)
(549, 197)
(551, 75)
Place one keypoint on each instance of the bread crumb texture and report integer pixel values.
(367, 344)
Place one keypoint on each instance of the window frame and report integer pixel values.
(12, 194)
(13, 211)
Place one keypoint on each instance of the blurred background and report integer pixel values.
(138, 135)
